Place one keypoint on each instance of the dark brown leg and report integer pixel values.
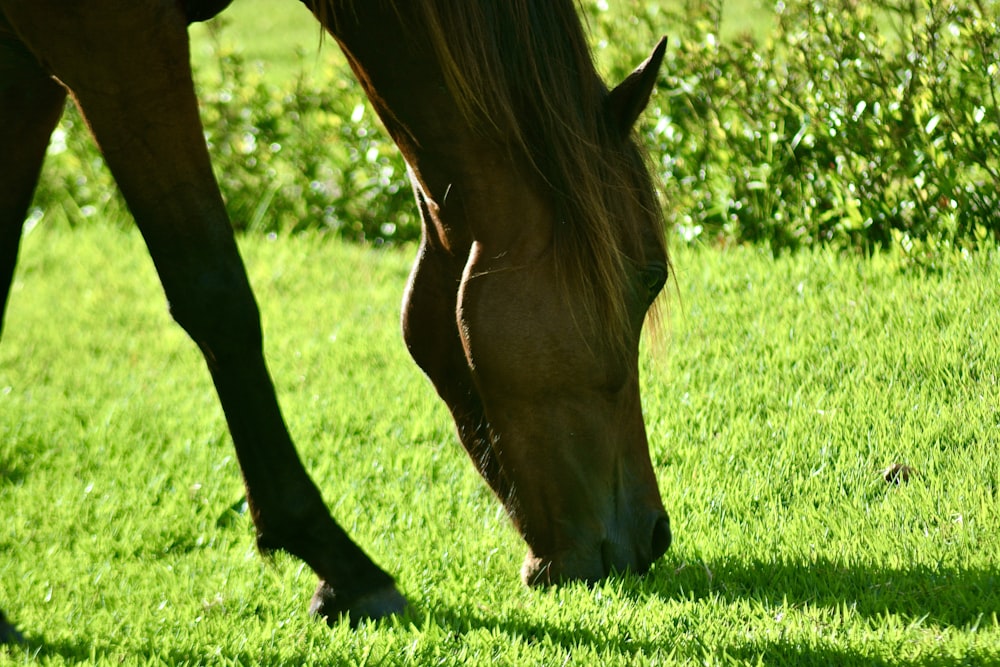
(137, 95)
(30, 106)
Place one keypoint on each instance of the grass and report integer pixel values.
(783, 389)
(286, 43)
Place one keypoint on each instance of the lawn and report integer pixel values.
(778, 393)
(284, 42)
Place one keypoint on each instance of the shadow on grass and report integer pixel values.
(11, 470)
(946, 596)
(685, 645)
(787, 652)
(942, 597)
(72, 651)
(82, 650)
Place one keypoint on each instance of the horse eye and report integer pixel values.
(654, 277)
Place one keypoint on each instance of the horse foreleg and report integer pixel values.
(134, 87)
(30, 106)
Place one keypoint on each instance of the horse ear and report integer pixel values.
(630, 97)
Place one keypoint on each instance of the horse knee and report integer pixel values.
(218, 311)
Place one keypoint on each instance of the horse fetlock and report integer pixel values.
(203, 10)
(315, 538)
(298, 530)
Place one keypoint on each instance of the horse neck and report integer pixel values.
(471, 188)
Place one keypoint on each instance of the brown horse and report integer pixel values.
(542, 251)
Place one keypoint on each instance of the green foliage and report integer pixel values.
(304, 156)
(852, 123)
(857, 124)
(307, 157)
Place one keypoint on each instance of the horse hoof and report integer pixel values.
(381, 603)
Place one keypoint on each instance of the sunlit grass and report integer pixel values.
(783, 390)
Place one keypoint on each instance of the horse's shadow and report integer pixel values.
(941, 597)
(946, 597)
(41, 649)
(11, 470)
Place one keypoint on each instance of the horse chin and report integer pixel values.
(601, 560)
(540, 572)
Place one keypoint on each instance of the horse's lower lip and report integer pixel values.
(600, 559)
(616, 560)
(639, 562)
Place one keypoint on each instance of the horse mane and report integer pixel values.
(521, 72)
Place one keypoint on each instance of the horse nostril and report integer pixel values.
(661, 537)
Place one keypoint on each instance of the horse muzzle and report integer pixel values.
(596, 560)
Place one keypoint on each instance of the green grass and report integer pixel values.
(782, 390)
(286, 42)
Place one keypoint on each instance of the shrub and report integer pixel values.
(308, 156)
(856, 124)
